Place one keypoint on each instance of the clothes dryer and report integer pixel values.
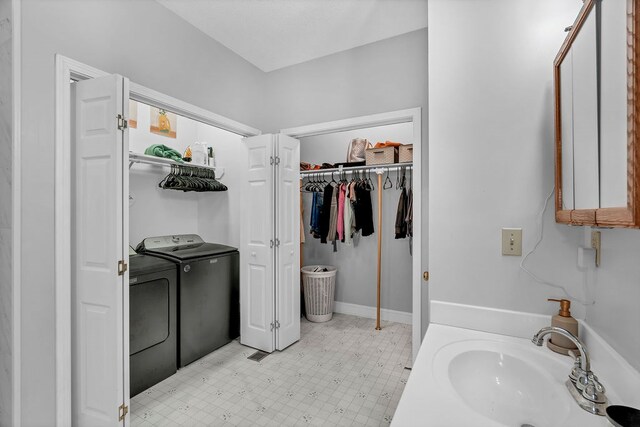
(208, 292)
(153, 321)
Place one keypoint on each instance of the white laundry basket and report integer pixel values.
(319, 291)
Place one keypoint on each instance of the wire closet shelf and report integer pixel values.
(161, 161)
(379, 169)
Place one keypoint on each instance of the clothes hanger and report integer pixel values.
(387, 182)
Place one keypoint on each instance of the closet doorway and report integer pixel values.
(105, 327)
(401, 273)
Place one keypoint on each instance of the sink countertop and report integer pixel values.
(426, 400)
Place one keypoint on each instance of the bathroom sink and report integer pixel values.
(462, 377)
(510, 383)
(508, 389)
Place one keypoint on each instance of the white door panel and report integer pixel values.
(97, 237)
(288, 234)
(256, 254)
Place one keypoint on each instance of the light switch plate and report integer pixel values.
(512, 241)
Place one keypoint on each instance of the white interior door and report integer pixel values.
(288, 241)
(257, 246)
(99, 351)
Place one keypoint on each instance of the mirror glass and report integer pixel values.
(579, 112)
(614, 42)
(566, 112)
(585, 116)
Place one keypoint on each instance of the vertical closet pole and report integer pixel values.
(379, 172)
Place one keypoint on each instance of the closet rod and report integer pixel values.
(374, 168)
(161, 161)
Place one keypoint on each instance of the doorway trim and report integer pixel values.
(16, 219)
(67, 69)
(412, 115)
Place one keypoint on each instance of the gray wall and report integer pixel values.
(383, 76)
(357, 275)
(615, 286)
(491, 152)
(6, 320)
(145, 42)
(504, 169)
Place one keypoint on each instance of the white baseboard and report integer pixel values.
(370, 312)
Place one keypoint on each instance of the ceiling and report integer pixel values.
(273, 34)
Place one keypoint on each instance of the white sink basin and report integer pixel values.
(503, 382)
(508, 389)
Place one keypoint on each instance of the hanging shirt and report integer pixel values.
(352, 197)
(333, 215)
(302, 236)
(325, 218)
(340, 220)
(409, 216)
(364, 210)
(316, 215)
(401, 215)
(348, 214)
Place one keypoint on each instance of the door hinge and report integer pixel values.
(277, 324)
(122, 123)
(122, 267)
(123, 410)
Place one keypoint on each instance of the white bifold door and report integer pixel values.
(270, 244)
(99, 236)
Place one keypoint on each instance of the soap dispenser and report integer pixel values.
(563, 319)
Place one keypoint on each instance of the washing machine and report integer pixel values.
(153, 321)
(208, 292)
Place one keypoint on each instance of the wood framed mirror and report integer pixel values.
(597, 151)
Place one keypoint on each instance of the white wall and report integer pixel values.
(6, 207)
(491, 142)
(155, 211)
(616, 289)
(357, 275)
(384, 76)
(153, 47)
(491, 146)
(219, 213)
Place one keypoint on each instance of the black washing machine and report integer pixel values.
(208, 292)
(153, 321)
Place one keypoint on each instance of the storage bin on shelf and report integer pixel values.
(319, 287)
(381, 155)
(405, 153)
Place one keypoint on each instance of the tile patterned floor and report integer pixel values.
(341, 373)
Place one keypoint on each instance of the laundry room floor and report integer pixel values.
(342, 372)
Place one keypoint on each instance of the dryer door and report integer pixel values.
(149, 314)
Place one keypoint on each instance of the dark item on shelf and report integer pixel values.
(350, 164)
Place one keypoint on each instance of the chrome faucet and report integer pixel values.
(583, 385)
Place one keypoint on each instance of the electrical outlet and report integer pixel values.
(512, 241)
